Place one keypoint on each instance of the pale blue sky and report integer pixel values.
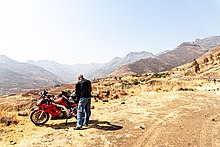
(85, 31)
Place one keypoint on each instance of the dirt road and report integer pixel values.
(150, 119)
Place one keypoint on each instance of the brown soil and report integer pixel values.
(149, 119)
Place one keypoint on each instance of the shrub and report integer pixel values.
(135, 82)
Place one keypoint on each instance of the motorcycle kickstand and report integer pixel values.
(66, 121)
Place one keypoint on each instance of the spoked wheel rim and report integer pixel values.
(39, 118)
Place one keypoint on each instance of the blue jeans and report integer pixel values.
(84, 104)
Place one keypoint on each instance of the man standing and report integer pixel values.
(83, 92)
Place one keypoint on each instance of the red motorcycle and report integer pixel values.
(49, 106)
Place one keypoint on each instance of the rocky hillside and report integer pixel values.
(149, 65)
(207, 66)
(185, 53)
(117, 62)
(16, 76)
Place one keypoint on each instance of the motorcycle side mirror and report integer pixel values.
(44, 92)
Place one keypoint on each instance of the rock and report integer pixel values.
(12, 94)
(12, 142)
(22, 114)
(123, 92)
(92, 107)
(115, 96)
(80, 134)
(105, 100)
(6, 120)
(214, 120)
(57, 127)
(123, 103)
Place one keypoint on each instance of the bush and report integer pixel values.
(135, 82)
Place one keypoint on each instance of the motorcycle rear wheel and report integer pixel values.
(39, 121)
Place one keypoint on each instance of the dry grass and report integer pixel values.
(15, 131)
(168, 84)
(156, 88)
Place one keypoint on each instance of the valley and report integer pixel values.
(178, 107)
(154, 68)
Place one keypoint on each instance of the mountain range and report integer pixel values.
(68, 73)
(117, 62)
(16, 76)
(186, 52)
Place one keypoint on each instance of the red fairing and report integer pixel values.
(51, 109)
(61, 100)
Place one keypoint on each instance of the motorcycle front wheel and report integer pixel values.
(39, 118)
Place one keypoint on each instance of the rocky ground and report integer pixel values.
(176, 118)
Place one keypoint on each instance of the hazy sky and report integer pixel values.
(85, 31)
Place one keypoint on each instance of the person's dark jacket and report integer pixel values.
(83, 89)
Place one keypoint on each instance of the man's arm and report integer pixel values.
(78, 89)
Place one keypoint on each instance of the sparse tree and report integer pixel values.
(195, 64)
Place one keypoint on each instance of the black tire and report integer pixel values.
(35, 117)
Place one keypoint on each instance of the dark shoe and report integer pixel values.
(77, 128)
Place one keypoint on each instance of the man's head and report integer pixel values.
(79, 77)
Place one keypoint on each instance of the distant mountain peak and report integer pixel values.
(6, 60)
(4, 57)
(117, 62)
(208, 42)
(141, 53)
(42, 61)
(185, 44)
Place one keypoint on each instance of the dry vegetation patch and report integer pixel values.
(136, 111)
